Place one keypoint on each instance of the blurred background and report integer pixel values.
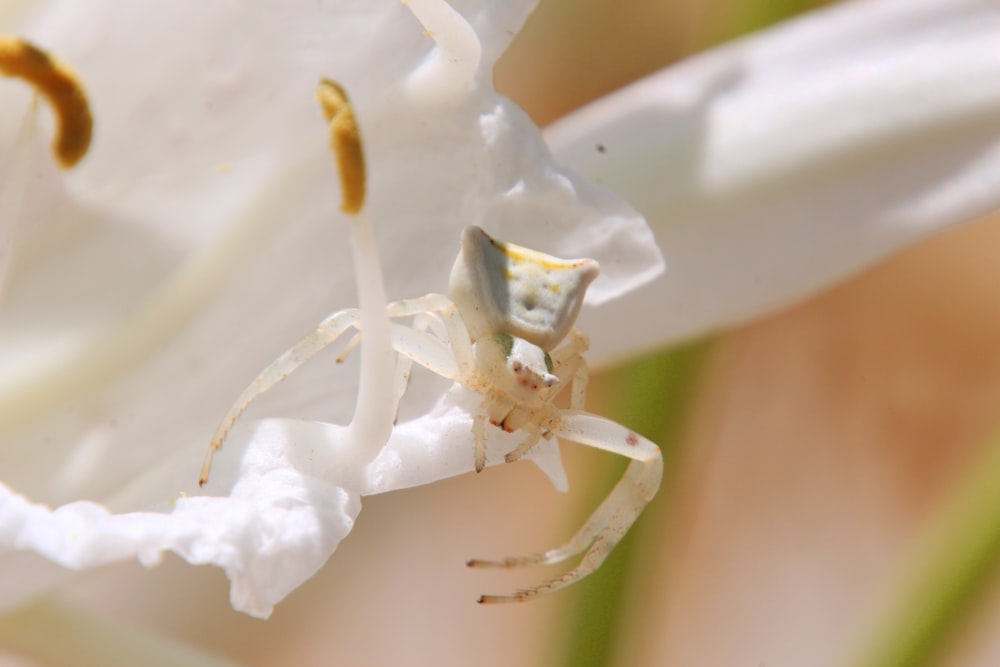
(808, 456)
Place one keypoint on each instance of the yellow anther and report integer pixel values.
(57, 84)
(345, 141)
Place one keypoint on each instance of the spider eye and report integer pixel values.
(517, 366)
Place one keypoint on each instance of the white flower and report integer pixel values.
(200, 238)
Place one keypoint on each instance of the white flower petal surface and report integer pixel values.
(276, 527)
(781, 163)
(292, 502)
(201, 237)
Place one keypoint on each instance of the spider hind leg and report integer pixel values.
(612, 518)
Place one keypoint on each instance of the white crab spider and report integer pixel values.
(498, 333)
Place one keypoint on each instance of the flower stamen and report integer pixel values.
(345, 142)
(54, 81)
(374, 411)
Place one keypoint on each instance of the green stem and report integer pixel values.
(55, 634)
(950, 576)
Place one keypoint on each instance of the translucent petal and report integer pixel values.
(779, 164)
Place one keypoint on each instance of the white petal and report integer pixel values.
(774, 166)
(437, 446)
(276, 527)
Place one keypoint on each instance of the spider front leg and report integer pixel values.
(568, 361)
(437, 340)
(458, 346)
(446, 358)
(611, 520)
(324, 335)
(404, 364)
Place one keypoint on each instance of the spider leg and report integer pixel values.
(410, 346)
(414, 343)
(523, 447)
(404, 364)
(479, 438)
(458, 334)
(613, 517)
(446, 350)
(568, 360)
(400, 309)
(350, 347)
(578, 391)
(325, 334)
